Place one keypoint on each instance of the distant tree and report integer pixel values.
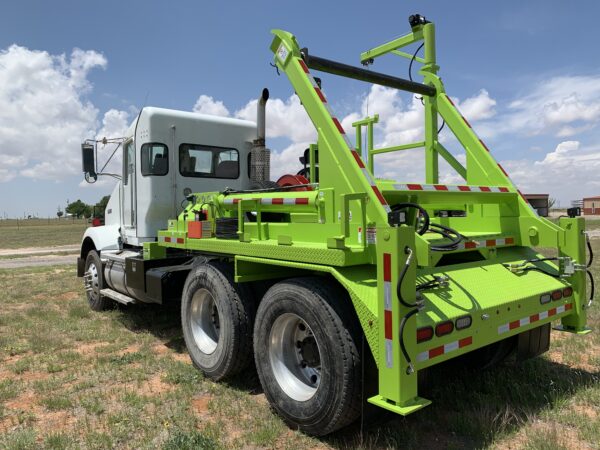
(551, 202)
(79, 209)
(100, 207)
(59, 213)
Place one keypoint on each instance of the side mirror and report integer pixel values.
(88, 160)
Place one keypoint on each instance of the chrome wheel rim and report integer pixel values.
(295, 357)
(93, 280)
(205, 321)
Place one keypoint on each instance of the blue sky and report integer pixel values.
(526, 74)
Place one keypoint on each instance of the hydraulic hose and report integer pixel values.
(425, 226)
(591, 277)
(409, 252)
(408, 315)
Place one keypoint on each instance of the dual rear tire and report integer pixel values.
(302, 337)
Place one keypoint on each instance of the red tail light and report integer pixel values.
(424, 334)
(444, 328)
(557, 295)
(567, 292)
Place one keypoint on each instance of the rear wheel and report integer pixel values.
(94, 282)
(217, 318)
(306, 355)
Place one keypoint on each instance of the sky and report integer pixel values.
(525, 74)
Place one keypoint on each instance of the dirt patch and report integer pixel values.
(586, 410)
(89, 348)
(33, 376)
(38, 250)
(559, 434)
(71, 295)
(134, 348)
(155, 386)
(200, 406)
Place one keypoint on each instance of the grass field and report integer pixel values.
(41, 232)
(73, 378)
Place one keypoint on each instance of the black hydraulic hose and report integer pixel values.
(537, 269)
(408, 315)
(409, 252)
(590, 251)
(412, 60)
(425, 225)
(447, 232)
(592, 289)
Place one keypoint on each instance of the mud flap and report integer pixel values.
(533, 342)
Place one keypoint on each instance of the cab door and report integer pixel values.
(129, 189)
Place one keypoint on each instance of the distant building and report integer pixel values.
(539, 202)
(591, 206)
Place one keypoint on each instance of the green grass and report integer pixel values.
(40, 233)
(74, 378)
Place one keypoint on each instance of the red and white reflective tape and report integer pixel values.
(269, 201)
(171, 240)
(449, 188)
(534, 318)
(387, 314)
(443, 349)
(495, 242)
(341, 130)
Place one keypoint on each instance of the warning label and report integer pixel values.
(371, 235)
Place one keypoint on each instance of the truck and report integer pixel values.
(340, 287)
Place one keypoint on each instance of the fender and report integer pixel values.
(97, 238)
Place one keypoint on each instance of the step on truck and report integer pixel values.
(331, 280)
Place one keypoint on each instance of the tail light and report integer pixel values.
(463, 322)
(567, 292)
(424, 334)
(545, 298)
(444, 328)
(557, 295)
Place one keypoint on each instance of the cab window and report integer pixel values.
(205, 161)
(155, 159)
(128, 161)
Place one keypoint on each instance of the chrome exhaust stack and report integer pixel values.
(260, 156)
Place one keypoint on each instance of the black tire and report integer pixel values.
(224, 348)
(491, 355)
(94, 270)
(332, 399)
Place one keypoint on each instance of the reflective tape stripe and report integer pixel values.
(444, 349)
(358, 160)
(387, 304)
(271, 201)
(505, 328)
(449, 188)
(496, 242)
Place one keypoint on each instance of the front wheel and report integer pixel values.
(306, 355)
(94, 283)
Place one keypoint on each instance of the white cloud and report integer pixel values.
(479, 107)
(207, 105)
(561, 106)
(569, 172)
(43, 113)
(285, 118)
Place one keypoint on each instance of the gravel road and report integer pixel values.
(36, 261)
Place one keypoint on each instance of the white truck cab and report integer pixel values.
(166, 155)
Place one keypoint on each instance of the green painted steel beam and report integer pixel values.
(410, 38)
